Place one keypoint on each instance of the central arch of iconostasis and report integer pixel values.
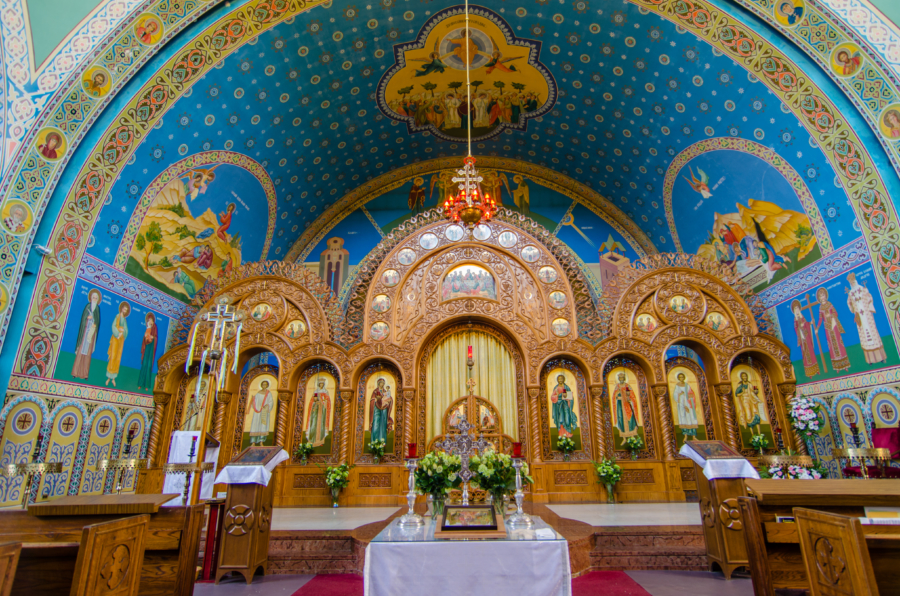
(672, 349)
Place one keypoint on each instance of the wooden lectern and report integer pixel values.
(722, 524)
(246, 523)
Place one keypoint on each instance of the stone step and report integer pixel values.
(649, 561)
(661, 548)
(617, 542)
(291, 553)
(330, 545)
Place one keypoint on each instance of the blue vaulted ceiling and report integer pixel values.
(634, 90)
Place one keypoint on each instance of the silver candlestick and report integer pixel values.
(519, 519)
(411, 518)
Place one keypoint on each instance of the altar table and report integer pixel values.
(411, 561)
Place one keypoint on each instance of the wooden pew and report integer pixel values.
(9, 559)
(110, 558)
(776, 498)
(53, 531)
(757, 553)
(835, 554)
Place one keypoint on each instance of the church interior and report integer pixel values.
(537, 298)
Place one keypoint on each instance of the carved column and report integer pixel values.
(788, 391)
(665, 419)
(534, 405)
(160, 398)
(409, 398)
(732, 434)
(284, 403)
(598, 405)
(346, 402)
(221, 409)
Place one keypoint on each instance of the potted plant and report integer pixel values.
(337, 478)
(436, 476)
(303, 451)
(377, 449)
(567, 446)
(634, 445)
(804, 415)
(760, 442)
(495, 474)
(608, 473)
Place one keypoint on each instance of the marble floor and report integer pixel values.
(631, 514)
(342, 518)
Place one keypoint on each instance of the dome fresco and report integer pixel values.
(314, 133)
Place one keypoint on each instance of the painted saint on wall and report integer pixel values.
(195, 404)
(87, 335)
(804, 330)
(626, 408)
(468, 281)
(750, 403)
(861, 304)
(687, 410)
(831, 323)
(117, 342)
(320, 391)
(148, 352)
(259, 414)
(562, 398)
(379, 417)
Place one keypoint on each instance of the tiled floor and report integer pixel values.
(632, 514)
(342, 518)
(657, 583)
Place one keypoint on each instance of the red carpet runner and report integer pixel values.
(607, 583)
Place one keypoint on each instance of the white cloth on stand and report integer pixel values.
(721, 468)
(178, 454)
(232, 474)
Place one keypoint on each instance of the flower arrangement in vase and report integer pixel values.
(567, 446)
(437, 475)
(782, 472)
(303, 451)
(377, 449)
(634, 445)
(337, 478)
(804, 416)
(494, 473)
(608, 473)
(759, 442)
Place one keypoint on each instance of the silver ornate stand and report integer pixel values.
(519, 519)
(411, 518)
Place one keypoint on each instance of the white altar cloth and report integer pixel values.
(251, 474)
(401, 562)
(178, 454)
(721, 468)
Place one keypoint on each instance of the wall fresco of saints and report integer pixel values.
(260, 412)
(468, 281)
(318, 412)
(687, 408)
(750, 405)
(625, 405)
(380, 410)
(562, 403)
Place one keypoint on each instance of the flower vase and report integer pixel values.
(610, 493)
(376, 459)
(436, 502)
(497, 502)
(567, 456)
(335, 493)
(762, 452)
(303, 461)
(634, 455)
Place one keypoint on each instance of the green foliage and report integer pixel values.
(236, 241)
(608, 471)
(518, 86)
(141, 242)
(177, 209)
(437, 473)
(183, 232)
(803, 234)
(499, 85)
(565, 444)
(477, 84)
(634, 443)
(338, 476)
(454, 85)
(377, 448)
(154, 233)
(165, 262)
(429, 87)
(759, 442)
(304, 450)
(405, 91)
(495, 474)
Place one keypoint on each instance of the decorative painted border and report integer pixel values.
(546, 177)
(102, 274)
(856, 170)
(62, 389)
(841, 260)
(111, 153)
(760, 151)
(177, 170)
(851, 383)
(419, 43)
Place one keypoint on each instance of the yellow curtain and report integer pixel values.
(494, 374)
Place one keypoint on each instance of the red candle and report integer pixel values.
(517, 450)
(412, 450)
(853, 425)
(470, 352)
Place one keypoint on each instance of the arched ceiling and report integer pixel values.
(633, 92)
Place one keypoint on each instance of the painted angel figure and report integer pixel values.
(432, 64)
(701, 184)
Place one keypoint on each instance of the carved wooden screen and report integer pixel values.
(483, 415)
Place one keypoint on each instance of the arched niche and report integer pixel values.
(317, 407)
(381, 412)
(559, 398)
(255, 423)
(629, 394)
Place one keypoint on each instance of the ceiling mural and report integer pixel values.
(325, 101)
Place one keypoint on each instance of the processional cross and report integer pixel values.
(464, 444)
(815, 328)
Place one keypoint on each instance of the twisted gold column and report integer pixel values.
(534, 404)
(732, 434)
(409, 398)
(221, 411)
(160, 398)
(598, 399)
(788, 391)
(284, 404)
(665, 419)
(346, 397)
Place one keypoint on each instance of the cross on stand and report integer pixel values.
(814, 327)
(464, 444)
